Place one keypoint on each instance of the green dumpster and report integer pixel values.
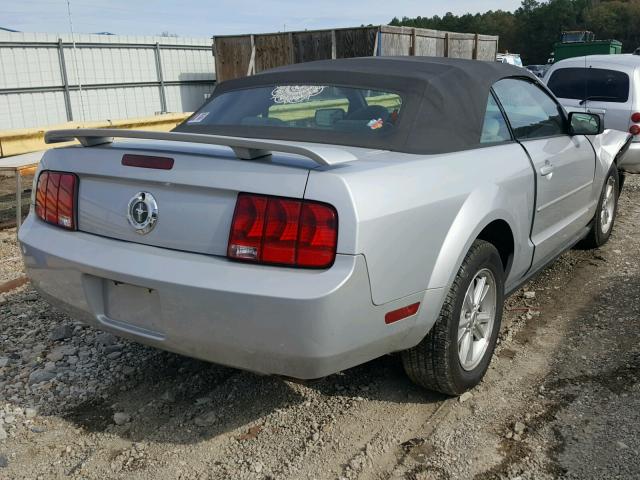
(579, 49)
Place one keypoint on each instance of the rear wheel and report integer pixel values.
(455, 355)
(606, 212)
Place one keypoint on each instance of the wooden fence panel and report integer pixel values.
(460, 45)
(356, 42)
(430, 47)
(233, 53)
(430, 43)
(425, 42)
(232, 57)
(309, 46)
(487, 48)
(395, 44)
(273, 50)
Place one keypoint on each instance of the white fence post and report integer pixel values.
(65, 81)
(163, 94)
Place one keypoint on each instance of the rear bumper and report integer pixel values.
(292, 322)
(630, 161)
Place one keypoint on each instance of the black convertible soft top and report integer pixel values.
(444, 100)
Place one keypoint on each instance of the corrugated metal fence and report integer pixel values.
(45, 79)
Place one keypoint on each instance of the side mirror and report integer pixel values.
(583, 123)
(327, 117)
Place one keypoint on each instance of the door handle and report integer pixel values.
(546, 169)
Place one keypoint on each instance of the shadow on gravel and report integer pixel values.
(139, 393)
(595, 386)
(175, 399)
(592, 396)
(101, 383)
(382, 379)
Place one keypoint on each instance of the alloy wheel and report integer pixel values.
(477, 318)
(608, 205)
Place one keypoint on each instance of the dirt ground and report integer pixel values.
(561, 398)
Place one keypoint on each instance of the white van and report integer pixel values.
(604, 84)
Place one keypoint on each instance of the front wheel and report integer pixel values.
(455, 354)
(604, 219)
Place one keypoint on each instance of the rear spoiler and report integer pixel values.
(243, 148)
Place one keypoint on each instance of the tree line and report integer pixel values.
(533, 28)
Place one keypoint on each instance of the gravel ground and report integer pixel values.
(561, 398)
(10, 259)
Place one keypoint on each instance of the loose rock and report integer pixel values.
(465, 396)
(39, 376)
(519, 428)
(105, 339)
(206, 419)
(61, 332)
(55, 355)
(30, 412)
(120, 418)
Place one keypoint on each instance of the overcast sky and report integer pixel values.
(200, 18)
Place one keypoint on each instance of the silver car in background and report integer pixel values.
(316, 216)
(608, 85)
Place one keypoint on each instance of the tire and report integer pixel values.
(621, 178)
(602, 224)
(435, 362)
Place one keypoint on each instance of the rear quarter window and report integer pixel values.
(596, 84)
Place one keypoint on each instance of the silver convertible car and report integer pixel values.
(316, 216)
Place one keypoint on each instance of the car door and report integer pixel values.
(564, 166)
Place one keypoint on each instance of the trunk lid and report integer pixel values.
(196, 198)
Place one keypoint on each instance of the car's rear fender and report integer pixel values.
(483, 207)
(414, 217)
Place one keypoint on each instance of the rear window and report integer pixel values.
(314, 107)
(591, 84)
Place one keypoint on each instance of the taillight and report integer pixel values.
(56, 198)
(41, 194)
(318, 235)
(635, 129)
(247, 228)
(283, 231)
